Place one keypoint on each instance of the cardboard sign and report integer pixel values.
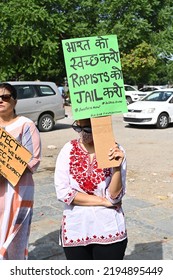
(95, 77)
(103, 140)
(13, 157)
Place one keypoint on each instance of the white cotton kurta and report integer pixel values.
(16, 203)
(84, 225)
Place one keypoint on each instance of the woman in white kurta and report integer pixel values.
(16, 202)
(93, 224)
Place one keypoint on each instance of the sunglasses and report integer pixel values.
(5, 97)
(79, 128)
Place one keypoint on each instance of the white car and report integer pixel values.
(132, 94)
(154, 109)
(149, 89)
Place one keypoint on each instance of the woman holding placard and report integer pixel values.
(93, 224)
(16, 201)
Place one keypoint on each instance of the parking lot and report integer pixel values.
(148, 203)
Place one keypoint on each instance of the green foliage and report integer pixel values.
(139, 65)
(29, 40)
(31, 34)
(169, 71)
(139, 21)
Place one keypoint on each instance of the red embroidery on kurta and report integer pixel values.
(86, 173)
(89, 240)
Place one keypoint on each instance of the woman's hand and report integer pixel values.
(116, 154)
(106, 202)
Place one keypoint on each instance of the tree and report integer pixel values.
(137, 22)
(31, 34)
(29, 40)
(139, 65)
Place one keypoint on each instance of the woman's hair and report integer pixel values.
(10, 88)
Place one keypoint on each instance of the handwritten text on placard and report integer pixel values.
(95, 77)
(13, 157)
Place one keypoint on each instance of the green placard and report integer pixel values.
(95, 77)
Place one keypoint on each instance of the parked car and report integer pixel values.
(41, 102)
(131, 93)
(154, 109)
(148, 89)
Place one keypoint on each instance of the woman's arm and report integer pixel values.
(83, 199)
(116, 184)
(65, 192)
(32, 142)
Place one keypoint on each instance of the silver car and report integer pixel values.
(41, 102)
